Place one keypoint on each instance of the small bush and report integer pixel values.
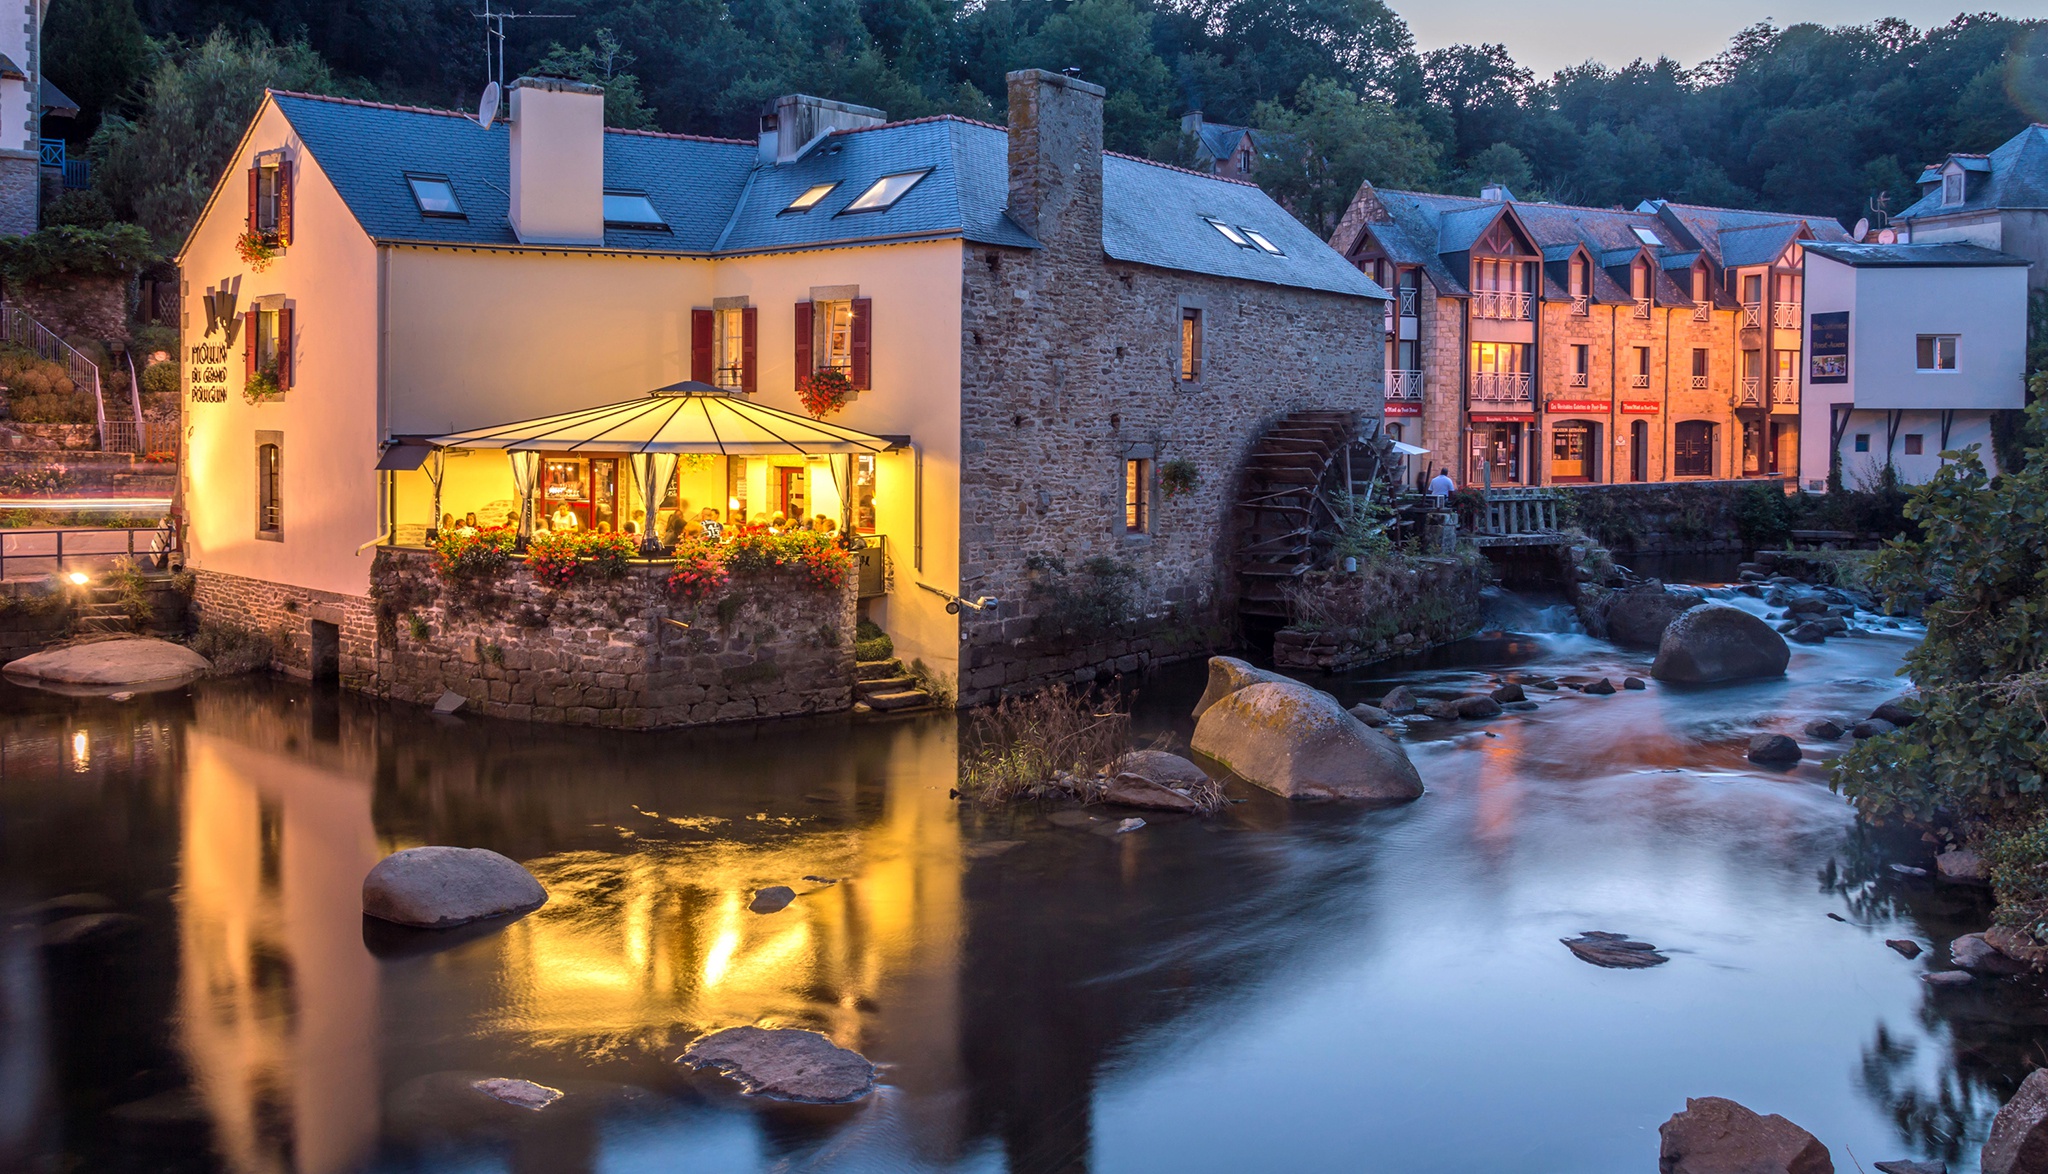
(160, 379)
(1024, 744)
(1763, 515)
(232, 648)
(1082, 605)
(870, 642)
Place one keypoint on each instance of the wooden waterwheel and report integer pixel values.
(1294, 485)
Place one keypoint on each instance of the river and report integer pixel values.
(1281, 987)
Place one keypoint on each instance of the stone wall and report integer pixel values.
(63, 438)
(1070, 364)
(287, 614)
(33, 615)
(21, 189)
(1685, 517)
(91, 306)
(614, 654)
(1399, 609)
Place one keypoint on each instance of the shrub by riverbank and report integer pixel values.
(1393, 604)
(1972, 768)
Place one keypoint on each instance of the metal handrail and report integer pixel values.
(1507, 305)
(17, 327)
(57, 551)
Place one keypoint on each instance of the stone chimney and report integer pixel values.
(794, 121)
(1496, 193)
(557, 190)
(1056, 159)
(1191, 123)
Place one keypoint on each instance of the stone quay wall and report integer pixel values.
(1677, 517)
(37, 613)
(1352, 620)
(287, 615)
(619, 654)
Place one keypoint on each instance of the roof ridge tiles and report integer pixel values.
(468, 117)
(1171, 167)
(669, 134)
(854, 130)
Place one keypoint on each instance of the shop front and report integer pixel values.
(1499, 448)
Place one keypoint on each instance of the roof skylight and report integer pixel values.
(631, 210)
(886, 191)
(1260, 240)
(1230, 234)
(435, 196)
(811, 196)
(1646, 236)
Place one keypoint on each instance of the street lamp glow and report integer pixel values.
(79, 578)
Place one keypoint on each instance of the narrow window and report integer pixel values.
(1582, 358)
(270, 198)
(832, 335)
(1699, 365)
(1863, 442)
(1190, 344)
(435, 196)
(1578, 277)
(1952, 188)
(1936, 352)
(729, 368)
(1639, 282)
(269, 490)
(1137, 496)
(1914, 443)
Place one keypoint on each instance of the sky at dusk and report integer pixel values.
(1548, 36)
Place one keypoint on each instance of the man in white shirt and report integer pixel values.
(1441, 486)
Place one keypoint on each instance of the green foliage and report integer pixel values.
(41, 392)
(1178, 477)
(1328, 140)
(870, 642)
(606, 66)
(1082, 605)
(1361, 523)
(1762, 516)
(160, 378)
(131, 590)
(417, 627)
(95, 49)
(72, 250)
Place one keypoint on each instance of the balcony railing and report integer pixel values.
(1785, 315)
(1388, 325)
(1752, 392)
(1408, 301)
(1642, 307)
(1404, 387)
(1699, 383)
(1581, 305)
(1511, 305)
(1701, 311)
(1501, 387)
(1578, 379)
(1752, 313)
(1785, 392)
(1639, 380)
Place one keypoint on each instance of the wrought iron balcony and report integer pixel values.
(1408, 301)
(1785, 315)
(1404, 387)
(1752, 392)
(1508, 305)
(1701, 311)
(1699, 383)
(1578, 379)
(1639, 380)
(1501, 387)
(1785, 392)
(1642, 307)
(1752, 313)
(1581, 305)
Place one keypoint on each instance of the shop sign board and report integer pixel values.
(1404, 409)
(1829, 335)
(1502, 417)
(1641, 407)
(1577, 405)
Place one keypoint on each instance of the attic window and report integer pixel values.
(631, 210)
(886, 191)
(1260, 240)
(811, 196)
(1952, 188)
(1230, 234)
(435, 196)
(1647, 237)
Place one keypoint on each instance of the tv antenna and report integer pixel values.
(494, 38)
(1881, 207)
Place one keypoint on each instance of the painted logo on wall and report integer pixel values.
(207, 362)
(1830, 347)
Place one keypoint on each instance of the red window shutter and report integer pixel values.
(254, 180)
(750, 335)
(284, 202)
(702, 322)
(284, 348)
(249, 344)
(803, 340)
(863, 349)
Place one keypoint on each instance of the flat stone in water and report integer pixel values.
(1614, 950)
(135, 661)
(1905, 947)
(1946, 978)
(773, 899)
(1903, 1166)
(785, 1063)
(521, 1094)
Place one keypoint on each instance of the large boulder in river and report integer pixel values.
(1719, 643)
(1156, 780)
(785, 1064)
(1717, 1136)
(2019, 1134)
(111, 664)
(438, 887)
(1299, 742)
(1227, 675)
(1638, 616)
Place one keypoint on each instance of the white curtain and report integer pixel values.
(437, 467)
(524, 465)
(656, 470)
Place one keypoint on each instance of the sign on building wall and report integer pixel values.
(1404, 409)
(207, 363)
(1641, 407)
(1830, 335)
(1576, 405)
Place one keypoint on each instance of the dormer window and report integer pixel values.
(632, 210)
(435, 196)
(1244, 161)
(1639, 281)
(1952, 188)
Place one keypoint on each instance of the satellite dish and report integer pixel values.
(487, 106)
(1886, 236)
(1862, 228)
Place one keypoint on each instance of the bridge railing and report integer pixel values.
(1513, 512)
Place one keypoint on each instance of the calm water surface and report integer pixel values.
(1281, 987)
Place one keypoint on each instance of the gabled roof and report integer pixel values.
(2015, 175)
(718, 199)
(1760, 245)
(1219, 139)
(1702, 227)
(1940, 255)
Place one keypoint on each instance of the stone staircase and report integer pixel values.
(885, 686)
(104, 615)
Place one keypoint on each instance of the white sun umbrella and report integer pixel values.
(687, 417)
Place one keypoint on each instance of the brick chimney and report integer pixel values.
(1056, 159)
(557, 190)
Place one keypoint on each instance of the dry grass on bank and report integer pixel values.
(1022, 745)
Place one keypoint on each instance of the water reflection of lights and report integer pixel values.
(81, 751)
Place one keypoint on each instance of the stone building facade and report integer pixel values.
(1072, 368)
(1539, 344)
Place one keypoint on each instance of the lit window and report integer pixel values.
(266, 341)
(1915, 444)
(269, 196)
(832, 335)
(1936, 352)
(886, 191)
(1137, 496)
(435, 195)
(1647, 236)
(631, 210)
(1230, 234)
(1263, 243)
(729, 369)
(1190, 344)
(269, 490)
(811, 196)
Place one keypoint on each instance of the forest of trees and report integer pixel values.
(1803, 118)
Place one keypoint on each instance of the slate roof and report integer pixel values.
(1942, 255)
(718, 200)
(2015, 175)
(1219, 139)
(1425, 226)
